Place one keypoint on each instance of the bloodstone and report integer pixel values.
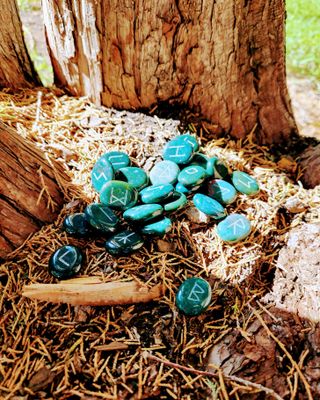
(65, 262)
(119, 195)
(124, 242)
(193, 296)
(209, 206)
(234, 228)
(77, 225)
(101, 217)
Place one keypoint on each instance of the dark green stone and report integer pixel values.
(178, 151)
(200, 159)
(164, 172)
(222, 191)
(145, 212)
(191, 176)
(244, 183)
(118, 159)
(193, 296)
(101, 217)
(102, 173)
(216, 168)
(159, 227)
(209, 206)
(176, 202)
(156, 193)
(234, 228)
(118, 195)
(65, 262)
(123, 243)
(136, 177)
(77, 225)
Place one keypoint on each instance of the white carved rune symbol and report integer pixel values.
(124, 238)
(248, 183)
(165, 172)
(116, 163)
(106, 214)
(239, 223)
(98, 177)
(115, 199)
(193, 295)
(177, 152)
(191, 171)
(62, 258)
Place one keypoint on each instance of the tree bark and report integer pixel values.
(310, 164)
(30, 194)
(16, 68)
(223, 59)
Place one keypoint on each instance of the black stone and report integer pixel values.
(77, 225)
(124, 242)
(65, 262)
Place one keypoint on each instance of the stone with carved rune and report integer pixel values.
(65, 262)
(244, 183)
(193, 296)
(101, 217)
(118, 195)
(124, 242)
(77, 225)
(234, 228)
(178, 151)
(164, 172)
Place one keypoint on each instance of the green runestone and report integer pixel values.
(244, 183)
(234, 228)
(118, 159)
(102, 173)
(119, 195)
(222, 191)
(164, 172)
(123, 243)
(209, 206)
(191, 176)
(159, 227)
(142, 213)
(156, 193)
(192, 140)
(193, 296)
(178, 151)
(182, 189)
(65, 262)
(136, 177)
(77, 225)
(101, 217)
(178, 201)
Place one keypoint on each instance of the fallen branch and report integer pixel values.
(92, 291)
(233, 378)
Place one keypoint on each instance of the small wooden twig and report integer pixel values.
(245, 382)
(92, 291)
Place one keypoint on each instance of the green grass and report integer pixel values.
(303, 37)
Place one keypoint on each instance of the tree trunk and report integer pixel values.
(30, 194)
(223, 59)
(310, 164)
(16, 68)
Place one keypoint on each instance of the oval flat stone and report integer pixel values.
(216, 168)
(192, 140)
(76, 225)
(222, 191)
(234, 228)
(191, 176)
(193, 296)
(118, 159)
(119, 195)
(244, 183)
(159, 227)
(124, 242)
(164, 172)
(65, 262)
(156, 193)
(209, 206)
(200, 159)
(144, 212)
(178, 151)
(136, 177)
(177, 201)
(102, 173)
(101, 217)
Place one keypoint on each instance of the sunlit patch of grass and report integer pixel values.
(28, 5)
(303, 37)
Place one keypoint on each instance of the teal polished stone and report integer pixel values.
(244, 183)
(65, 262)
(124, 242)
(156, 193)
(119, 195)
(191, 176)
(192, 140)
(216, 168)
(145, 212)
(209, 206)
(164, 172)
(159, 227)
(102, 173)
(136, 177)
(221, 191)
(77, 225)
(118, 159)
(182, 189)
(178, 151)
(175, 203)
(234, 228)
(193, 296)
(101, 217)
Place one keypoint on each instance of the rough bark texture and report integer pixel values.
(29, 193)
(223, 59)
(310, 162)
(16, 68)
